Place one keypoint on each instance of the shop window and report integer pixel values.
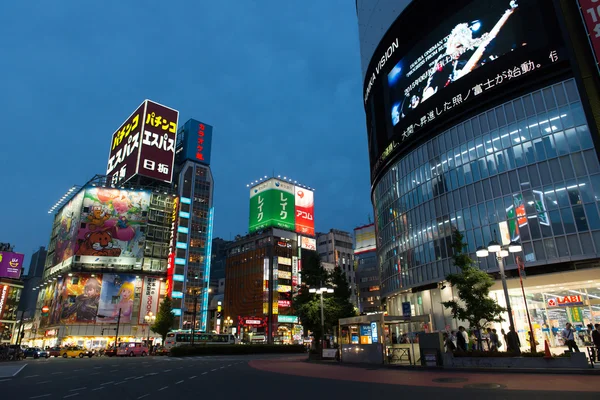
(574, 245)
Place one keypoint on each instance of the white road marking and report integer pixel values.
(229, 365)
(118, 383)
(107, 383)
(78, 369)
(56, 373)
(162, 388)
(146, 395)
(151, 373)
(76, 389)
(70, 395)
(204, 373)
(222, 367)
(192, 377)
(6, 380)
(41, 395)
(31, 376)
(138, 377)
(39, 383)
(97, 367)
(131, 377)
(98, 388)
(177, 383)
(167, 370)
(180, 368)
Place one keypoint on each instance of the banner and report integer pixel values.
(117, 293)
(150, 297)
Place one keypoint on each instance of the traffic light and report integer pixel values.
(45, 311)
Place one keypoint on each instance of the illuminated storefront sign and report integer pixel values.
(284, 303)
(308, 243)
(565, 301)
(284, 274)
(253, 322)
(284, 260)
(287, 319)
(3, 295)
(284, 288)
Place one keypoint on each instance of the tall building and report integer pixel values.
(367, 270)
(219, 259)
(194, 220)
(480, 117)
(336, 247)
(32, 279)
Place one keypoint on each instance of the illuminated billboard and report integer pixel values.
(144, 144)
(308, 243)
(364, 239)
(280, 204)
(428, 70)
(11, 264)
(272, 205)
(305, 209)
(194, 142)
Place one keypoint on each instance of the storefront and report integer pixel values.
(10, 295)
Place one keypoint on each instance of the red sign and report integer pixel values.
(252, 321)
(200, 143)
(305, 209)
(45, 309)
(284, 303)
(590, 12)
(565, 301)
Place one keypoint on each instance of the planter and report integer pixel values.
(575, 361)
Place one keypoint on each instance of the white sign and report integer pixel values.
(329, 353)
(150, 297)
(308, 243)
(284, 260)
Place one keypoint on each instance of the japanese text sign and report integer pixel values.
(590, 12)
(272, 205)
(125, 148)
(305, 210)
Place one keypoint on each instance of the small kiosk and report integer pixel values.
(382, 339)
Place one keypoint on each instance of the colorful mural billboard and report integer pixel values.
(78, 299)
(117, 293)
(68, 221)
(109, 230)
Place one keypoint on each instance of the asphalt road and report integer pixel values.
(220, 377)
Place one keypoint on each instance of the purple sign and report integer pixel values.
(11, 264)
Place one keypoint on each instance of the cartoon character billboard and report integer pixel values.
(79, 296)
(68, 221)
(109, 230)
(117, 294)
(11, 264)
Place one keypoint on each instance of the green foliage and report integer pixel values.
(164, 319)
(308, 305)
(473, 286)
(201, 350)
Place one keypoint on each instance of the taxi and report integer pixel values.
(75, 351)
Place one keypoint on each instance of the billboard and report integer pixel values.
(77, 299)
(144, 144)
(125, 147)
(272, 205)
(194, 142)
(590, 14)
(364, 239)
(432, 66)
(305, 210)
(117, 293)
(11, 264)
(110, 227)
(308, 243)
(68, 219)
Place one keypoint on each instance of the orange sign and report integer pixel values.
(565, 301)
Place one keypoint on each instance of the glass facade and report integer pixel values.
(530, 162)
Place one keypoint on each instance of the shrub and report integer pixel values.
(210, 350)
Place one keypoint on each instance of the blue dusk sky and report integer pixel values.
(279, 81)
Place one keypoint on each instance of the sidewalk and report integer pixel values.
(10, 369)
(430, 377)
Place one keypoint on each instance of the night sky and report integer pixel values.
(279, 81)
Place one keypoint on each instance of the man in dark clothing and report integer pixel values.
(596, 340)
(513, 343)
(568, 335)
(461, 341)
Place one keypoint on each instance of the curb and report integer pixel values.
(548, 371)
(15, 374)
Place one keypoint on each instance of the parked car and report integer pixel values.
(110, 351)
(54, 352)
(35, 352)
(162, 351)
(132, 349)
(76, 351)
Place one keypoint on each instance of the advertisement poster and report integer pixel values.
(125, 147)
(364, 239)
(79, 299)
(308, 243)
(305, 210)
(157, 151)
(110, 226)
(117, 293)
(68, 220)
(272, 205)
(11, 264)
(590, 13)
(150, 297)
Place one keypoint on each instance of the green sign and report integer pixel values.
(287, 319)
(272, 205)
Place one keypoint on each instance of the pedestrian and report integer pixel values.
(461, 339)
(569, 335)
(448, 343)
(503, 332)
(596, 340)
(513, 343)
(497, 339)
(493, 339)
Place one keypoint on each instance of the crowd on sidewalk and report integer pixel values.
(489, 340)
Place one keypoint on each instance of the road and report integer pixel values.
(271, 376)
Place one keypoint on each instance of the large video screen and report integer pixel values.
(462, 55)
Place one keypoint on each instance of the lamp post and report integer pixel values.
(500, 252)
(149, 318)
(228, 322)
(320, 291)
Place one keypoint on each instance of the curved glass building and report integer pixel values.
(480, 118)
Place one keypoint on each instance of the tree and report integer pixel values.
(165, 319)
(341, 295)
(473, 286)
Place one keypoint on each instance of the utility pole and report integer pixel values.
(117, 330)
(194, 316)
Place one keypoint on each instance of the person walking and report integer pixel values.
(596, 340)
(461, 339)
(493, 339)
(569, 335)
(448, 343)
(513, 343)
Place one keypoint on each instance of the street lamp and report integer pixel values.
(500, 252)
(320, 291)
(228, 322)
(149, 318)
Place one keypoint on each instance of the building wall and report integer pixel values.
(336, 247)
(31, 280)
(367, 278)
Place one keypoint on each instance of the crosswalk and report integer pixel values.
(220, 358)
